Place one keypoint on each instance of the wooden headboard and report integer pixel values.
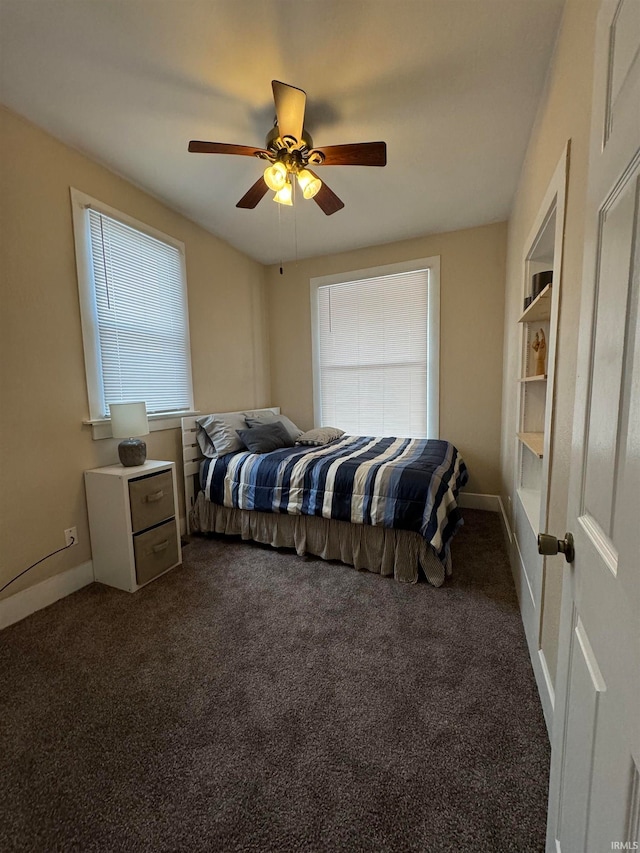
(192, 456)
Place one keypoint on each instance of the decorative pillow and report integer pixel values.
(319, 436)
(255, 419)
(217, 434)
(265, 438)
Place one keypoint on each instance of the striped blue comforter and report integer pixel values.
(411, 484)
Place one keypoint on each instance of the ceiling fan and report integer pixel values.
(289, 151)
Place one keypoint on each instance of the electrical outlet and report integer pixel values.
(71, 536)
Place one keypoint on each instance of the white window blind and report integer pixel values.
(373, 355)
(141, 316)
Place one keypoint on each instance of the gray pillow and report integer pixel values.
(217, 434)
(255, 419)
(319, 436)
(265, 438)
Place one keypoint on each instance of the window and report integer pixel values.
(375, 347)
(133, 301)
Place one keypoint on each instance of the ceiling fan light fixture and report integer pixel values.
(309, 184)
(275, 176)
(289, 150)
(284, 195)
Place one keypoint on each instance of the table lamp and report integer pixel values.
(128, 420)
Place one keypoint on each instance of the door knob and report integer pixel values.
(549, 545)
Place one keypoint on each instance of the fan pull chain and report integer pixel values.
(295, 224)
(280, 236)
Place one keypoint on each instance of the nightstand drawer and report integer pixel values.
(156, 551)
(151, 500)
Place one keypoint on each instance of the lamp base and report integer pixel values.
(132, 451)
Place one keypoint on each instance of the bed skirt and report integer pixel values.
(392, 553)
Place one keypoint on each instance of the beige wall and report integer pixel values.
(565, 113)
(44, 448)
(471, 293)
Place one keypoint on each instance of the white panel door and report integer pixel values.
(594, 796)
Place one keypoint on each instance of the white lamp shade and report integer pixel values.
(128, 419)
(284, 195)
(309, 184)
(275, 177)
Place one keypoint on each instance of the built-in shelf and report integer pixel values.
(541, 377)
(534, 441)
(540, 308)
(538, 328)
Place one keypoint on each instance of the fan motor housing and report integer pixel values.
(275, 143)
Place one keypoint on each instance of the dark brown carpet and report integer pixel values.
(256, 701)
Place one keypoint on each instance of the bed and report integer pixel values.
(388, 505)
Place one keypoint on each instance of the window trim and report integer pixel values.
(431, 264)
(80, 202)
(167, 420)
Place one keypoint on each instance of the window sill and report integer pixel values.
(101, 428)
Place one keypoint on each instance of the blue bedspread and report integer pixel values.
(411, 484)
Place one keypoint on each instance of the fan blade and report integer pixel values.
(326, 199)
(356, 154)
(254, 195)
(198, 147)
(290, 105)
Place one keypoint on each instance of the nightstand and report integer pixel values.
(132, 518)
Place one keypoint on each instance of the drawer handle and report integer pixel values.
(156, 496)
(161, 546)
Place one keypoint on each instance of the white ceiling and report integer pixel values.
(452, 86)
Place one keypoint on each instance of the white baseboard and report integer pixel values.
(470, 500)
(26, 602)
(548, 695)
(506, 526)
(490, 503)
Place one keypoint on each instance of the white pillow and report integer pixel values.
(217, 434)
